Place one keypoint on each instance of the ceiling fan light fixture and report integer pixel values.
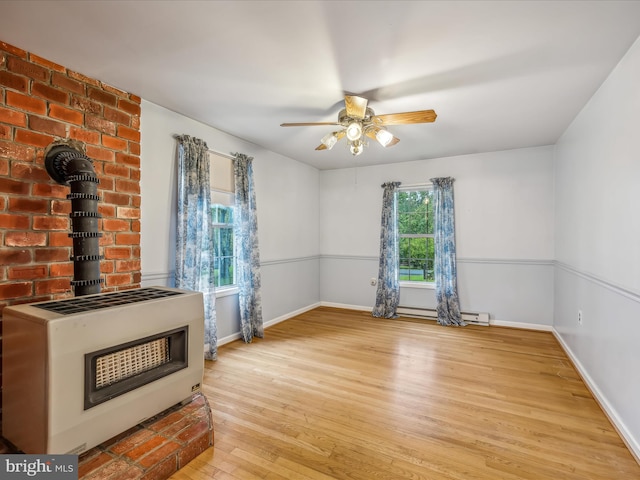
(384, 137)
(357, 120)
(329, 140)
(354, 131)
(356, 148)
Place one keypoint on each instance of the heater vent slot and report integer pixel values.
(71, 306)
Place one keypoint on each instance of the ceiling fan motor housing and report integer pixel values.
(344, 119)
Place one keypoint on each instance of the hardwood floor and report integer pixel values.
(337, 394)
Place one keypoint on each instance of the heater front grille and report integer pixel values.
(117, 366)
(83, 304)
(116, 370)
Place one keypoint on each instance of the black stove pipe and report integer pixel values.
(68, 166)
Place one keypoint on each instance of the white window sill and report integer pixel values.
(428, 286)
(226, 291)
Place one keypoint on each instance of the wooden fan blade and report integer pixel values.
(371, 133)
(421, 116)
(356, 106)
(307, 124)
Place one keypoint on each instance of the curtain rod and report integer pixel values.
(415, 185)
(220, 154)
(225, 155)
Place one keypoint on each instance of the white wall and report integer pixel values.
(597, 236)
(287, 199)
(505, 247)
(541, 232)
(504, 232)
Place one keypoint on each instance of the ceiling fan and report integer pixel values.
(360, 121)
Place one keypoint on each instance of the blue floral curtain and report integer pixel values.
(194, 243)
(245, 226)
(388, 291)
(445, 253)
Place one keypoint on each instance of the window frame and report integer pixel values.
(412, 188)
(230, 289)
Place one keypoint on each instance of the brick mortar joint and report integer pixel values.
(174, 457)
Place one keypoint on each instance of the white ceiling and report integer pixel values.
(500, 75)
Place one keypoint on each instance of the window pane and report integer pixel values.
(430, 212)
(223, 241)
(413, 259)
(224, 260)
(416, 259)
(222, 214)
(430, 260)
(223, 271)
(222, 203)
(415, 212)
(415, 222)
(225, 215)
(416, 227)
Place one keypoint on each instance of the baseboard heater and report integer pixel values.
(474, 318)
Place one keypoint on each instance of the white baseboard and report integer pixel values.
(526, 326)
(289, 315)
(346, 306)
(237, 336)
(229, 339)
(631, 443)
(497, 323)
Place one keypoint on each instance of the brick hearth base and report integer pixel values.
(153, 450)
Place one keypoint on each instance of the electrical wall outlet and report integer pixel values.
(579, 317)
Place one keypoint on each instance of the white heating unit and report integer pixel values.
(79, 371)
(430, 313)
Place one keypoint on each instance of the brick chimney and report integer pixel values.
(42, 102)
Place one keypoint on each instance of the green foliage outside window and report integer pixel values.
(415, 227)
(224, 260)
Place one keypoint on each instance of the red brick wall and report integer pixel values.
(42, 102)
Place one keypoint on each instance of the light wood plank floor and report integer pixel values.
(337, 394)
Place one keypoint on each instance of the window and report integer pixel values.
(415, 228)
(222, 201)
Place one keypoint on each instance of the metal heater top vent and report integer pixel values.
(96, 302)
